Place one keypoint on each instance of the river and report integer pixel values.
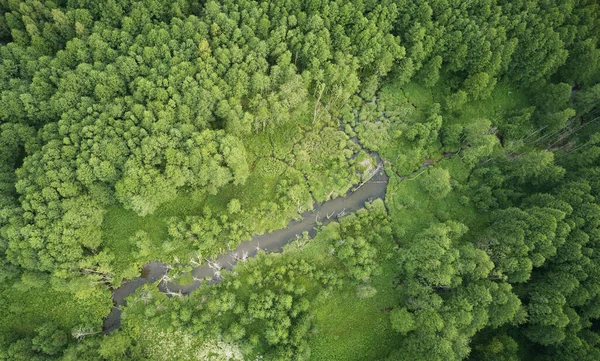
(153, 271)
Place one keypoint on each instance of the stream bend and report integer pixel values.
(153, 271)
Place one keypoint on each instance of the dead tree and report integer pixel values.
(216, 267)
(195, 263)
(330, 194)
(318, 103)
(146, 297)
(81, 332)
(170, 293)
(104, 277)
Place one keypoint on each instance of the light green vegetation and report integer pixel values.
(505, 99)
(138, 130)
(411, 124)
(402, 126)
(350, 327)
(277, 292)
(68, 305)
(119, 229)
(283, 181)
(414, 208)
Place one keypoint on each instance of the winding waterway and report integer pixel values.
(325, 212)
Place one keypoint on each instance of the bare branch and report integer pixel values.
(81, 332)
(170, 293)
(371, 175)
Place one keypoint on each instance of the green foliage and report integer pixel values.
(501, 348)
(588, 99)
(114, 347)
(233, 206)
(437, 183)
(479, 85)
(519, 239)
(402, 320)
(553, 101)
(348, 327)
(162, 130)
(49, 339)
(360, 239)
(431, 71)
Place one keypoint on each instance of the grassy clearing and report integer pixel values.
(413, 210)
(119, 226)
(345, 326)
(349, 328)
(505, 97)
(25, 300)
(410, 206)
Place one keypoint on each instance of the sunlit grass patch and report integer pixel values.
(35, 292)
(347, 327)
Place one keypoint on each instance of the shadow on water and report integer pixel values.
(151, 272)
(325, 212)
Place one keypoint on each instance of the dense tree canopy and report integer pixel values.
(150, 130)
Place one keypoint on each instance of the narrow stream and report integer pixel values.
(271, 242)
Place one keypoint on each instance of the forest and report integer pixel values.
(178, 131)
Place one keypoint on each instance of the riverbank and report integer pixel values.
(375, 187)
